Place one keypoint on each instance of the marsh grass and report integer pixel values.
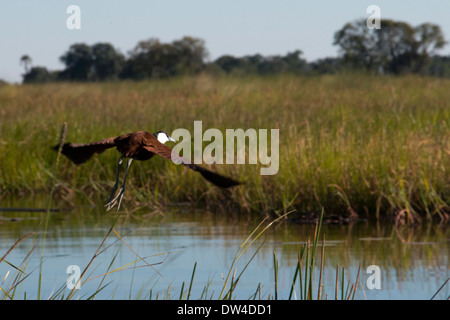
(303, 274)
(10, 286)
(378, 146)
(307, 281)
(302, 284)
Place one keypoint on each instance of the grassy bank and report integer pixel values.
(377, 146)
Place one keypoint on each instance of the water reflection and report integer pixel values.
(152, 255)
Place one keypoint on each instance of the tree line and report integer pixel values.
(395, 48)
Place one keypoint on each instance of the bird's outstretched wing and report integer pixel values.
(166, 152)
(79, 153)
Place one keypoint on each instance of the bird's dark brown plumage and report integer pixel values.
(139, 145)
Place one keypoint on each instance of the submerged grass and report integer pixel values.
(378, 146)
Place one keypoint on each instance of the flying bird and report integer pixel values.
(139, 145)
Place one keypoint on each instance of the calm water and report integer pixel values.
(413, 263)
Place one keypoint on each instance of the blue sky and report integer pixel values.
(38, 28)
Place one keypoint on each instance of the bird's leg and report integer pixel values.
(118, 198)
(122, 189)
(113, 192)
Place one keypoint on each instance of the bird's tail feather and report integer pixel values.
(216, 179)
(77, 154)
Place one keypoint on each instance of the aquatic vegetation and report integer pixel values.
(376, 146)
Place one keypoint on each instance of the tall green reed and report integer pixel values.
(382, 142)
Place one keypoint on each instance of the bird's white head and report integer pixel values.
(163, 137)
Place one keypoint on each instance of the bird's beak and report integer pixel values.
(171, 139)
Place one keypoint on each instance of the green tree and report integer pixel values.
(327, 65)
(190, 54)
(430, 39)
(258, 64)
(228, 63)
(79, 63)
(38, 75)
(395, 48)
(142, 59)
(25, 60)
(357, 44)
(294, 62)
(153, 59)
(107, 63)
(438, 66)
